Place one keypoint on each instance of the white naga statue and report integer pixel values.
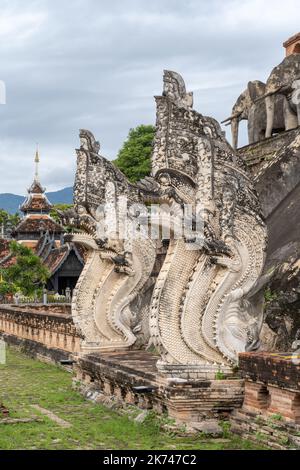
(197, 304)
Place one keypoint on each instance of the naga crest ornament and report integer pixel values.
(197, 308)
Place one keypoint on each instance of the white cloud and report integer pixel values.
(17, 26)
(259, 14)
(97, 64)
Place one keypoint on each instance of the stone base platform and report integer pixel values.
(132, 377)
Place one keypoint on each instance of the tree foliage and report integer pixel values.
(59, 207)
(27, 275)
(134, 158)
(55, 214)
(6, 218)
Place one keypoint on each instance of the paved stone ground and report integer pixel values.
(25, 382)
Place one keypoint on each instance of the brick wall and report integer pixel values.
(292, 45)
(272, 384)
(51, 326)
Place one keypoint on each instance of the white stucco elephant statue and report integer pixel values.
(251, 106)
(280, 83)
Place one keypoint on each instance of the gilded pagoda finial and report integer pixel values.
(37, 161)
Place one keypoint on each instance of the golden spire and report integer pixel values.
(37, 156)
(37, 161)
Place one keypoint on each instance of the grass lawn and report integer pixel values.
(25, 382)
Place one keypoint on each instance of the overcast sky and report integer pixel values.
(96, 64)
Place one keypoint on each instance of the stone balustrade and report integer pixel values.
(50, 326)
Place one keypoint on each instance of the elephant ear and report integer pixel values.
(256, 89)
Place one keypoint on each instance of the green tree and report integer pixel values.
(27, 275)
(59, 207)
(14, 219)
(57, 217)
(5, 218)
(134, 158)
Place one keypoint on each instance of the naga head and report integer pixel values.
(88, 141)
(174, 89)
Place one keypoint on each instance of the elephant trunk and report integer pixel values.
(235, 132)
(270, 106)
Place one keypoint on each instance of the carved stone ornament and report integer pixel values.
(205, 306)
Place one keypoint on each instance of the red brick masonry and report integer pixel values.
(272, 384)
(118, 374)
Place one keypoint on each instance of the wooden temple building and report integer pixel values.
(40, 232)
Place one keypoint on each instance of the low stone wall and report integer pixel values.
(49, 330)
(58, 308)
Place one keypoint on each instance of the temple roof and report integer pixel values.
(36, 188)
(44, 245)
(38, 224)
(53, 257)
(36, 208)
(56, 258)
(37, 202)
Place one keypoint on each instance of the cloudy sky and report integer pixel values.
(96, 64)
